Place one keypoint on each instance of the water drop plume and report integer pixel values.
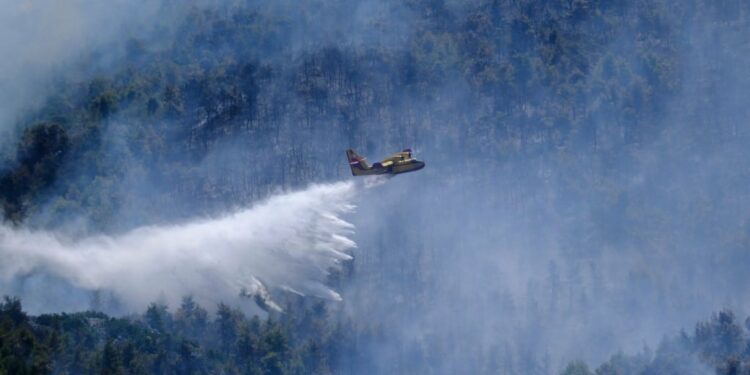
(290, 241)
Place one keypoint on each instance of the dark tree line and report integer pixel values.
(720, 345)
(191, 341)
(186, 341)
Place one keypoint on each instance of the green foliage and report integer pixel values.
(21, 350)
(577, 368)
(40, 154)
(719, 344)
(228, 77)
(186, 342)
(720, 338)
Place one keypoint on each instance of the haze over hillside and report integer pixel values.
(586, 189)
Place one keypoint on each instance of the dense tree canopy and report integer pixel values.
(505, 79)
(160, 342)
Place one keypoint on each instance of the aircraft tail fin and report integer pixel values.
(357, 163)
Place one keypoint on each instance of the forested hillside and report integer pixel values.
(586, 189)
(493, 81)
(187, 341)
(717, 346)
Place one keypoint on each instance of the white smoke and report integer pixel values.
(41, 38)
(289, 241)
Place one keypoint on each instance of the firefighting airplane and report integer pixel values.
(400, 162)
